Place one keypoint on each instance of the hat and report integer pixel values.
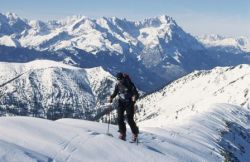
(119, 76)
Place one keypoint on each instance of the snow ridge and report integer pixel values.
(221, 84)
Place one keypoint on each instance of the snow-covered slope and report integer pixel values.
(32, 139)
(52, 89)
(220, 132)
(187, 113)
(219, 85)
(228, 44)
(211, 133)
(8, 41)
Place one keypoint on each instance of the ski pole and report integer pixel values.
(135, 108)
(109, 121)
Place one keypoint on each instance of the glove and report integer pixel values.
(133, 99)
(110, 99)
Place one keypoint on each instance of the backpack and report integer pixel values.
(127, 78)
(128, 82)
(130, 86)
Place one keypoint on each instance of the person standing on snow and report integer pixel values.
(128, 94)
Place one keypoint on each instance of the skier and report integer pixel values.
(128, 95)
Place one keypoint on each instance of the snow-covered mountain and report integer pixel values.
(219, 85)
(94, 35)
(155, 45)
(188, 111)
(53, 90)
(226, 43)
(154, 51)
(11, 24)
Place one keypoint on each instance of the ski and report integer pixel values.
(136, 141)
(109, 134)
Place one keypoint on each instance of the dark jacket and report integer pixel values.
(125, 91)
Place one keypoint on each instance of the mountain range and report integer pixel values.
(49, 89)
(236, 45)
(154, 51)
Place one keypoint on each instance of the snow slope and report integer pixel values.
(183, 108)
(219, 85)
(65, 140)
(8, 41)
(203, 136)
(211, 133)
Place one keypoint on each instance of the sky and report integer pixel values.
(199, 17)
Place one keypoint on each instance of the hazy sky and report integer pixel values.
(198, 17)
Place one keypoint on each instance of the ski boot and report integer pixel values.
(134, 138)
(122, 136)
